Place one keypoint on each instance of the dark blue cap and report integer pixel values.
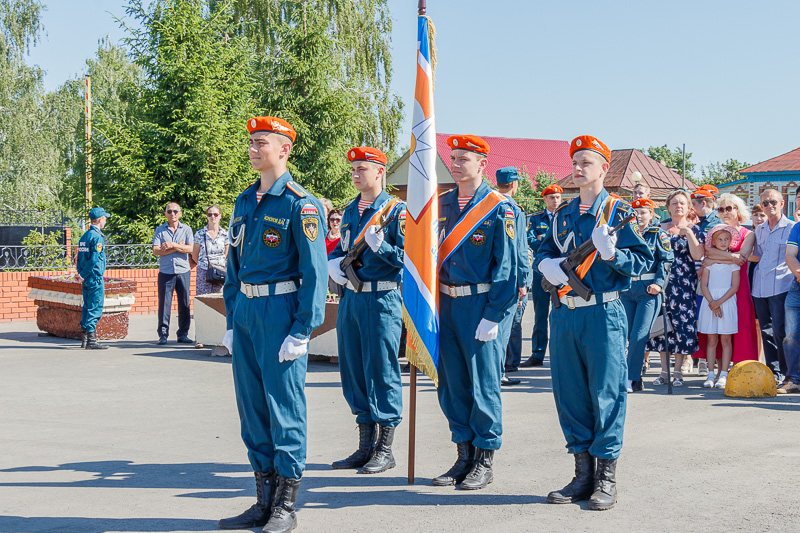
(506, 175)
(98, 212)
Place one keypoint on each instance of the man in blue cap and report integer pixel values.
(91, 264)
(508, 184)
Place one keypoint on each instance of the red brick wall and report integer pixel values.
(15, 304)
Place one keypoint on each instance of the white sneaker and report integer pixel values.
(721, 382)
(702, 369)
(709, 382)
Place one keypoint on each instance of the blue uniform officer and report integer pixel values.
(368, 347)
(538, 225)
(643, 298)
(274, 298)
(588, 361)
(478, 286)
(91, 263)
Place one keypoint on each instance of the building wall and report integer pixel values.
(750, 191)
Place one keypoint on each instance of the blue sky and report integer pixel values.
(722, 77)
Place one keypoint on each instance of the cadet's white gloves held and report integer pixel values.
(335, 271)
(487, 330)
(292, 348)
(374, 237)
(227, 341)
(551, 270)
(604, 242)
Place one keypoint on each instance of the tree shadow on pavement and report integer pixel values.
(19, 524)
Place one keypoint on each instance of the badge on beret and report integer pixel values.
(99, 247)
(510, 228)
(478, 238)
(271, 237)
(311, 228)
(665, 241)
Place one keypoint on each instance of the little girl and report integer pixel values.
(717, 317)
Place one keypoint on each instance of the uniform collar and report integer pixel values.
(382, 197)
(279, 186)
(92, 226)
(480, 194)
(599, 202)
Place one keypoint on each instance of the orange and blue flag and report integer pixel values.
(420, 272)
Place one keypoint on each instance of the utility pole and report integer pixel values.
(88, 130)
(683, 176)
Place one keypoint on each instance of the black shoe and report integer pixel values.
(581, 486)
(84, 336)
(283, 518)
(512, 369)
(458, 472)
(532, 361)
(185, 340)
(481, 474)
(382, 458)
(637, 386)
(162, 340)
(91, 342)
(604, 496)
(366, 444)
(506, 381)
(258, 514)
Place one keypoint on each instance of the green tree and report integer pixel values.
(719, 173)
(671, 158)
(186, 141)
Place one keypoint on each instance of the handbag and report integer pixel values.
(215, 275)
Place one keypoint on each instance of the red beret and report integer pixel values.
(552, 189)
(703, 193)
(473, 143)
(272, 125)
(643, 202)
(709, 188)
(366, 153)
(587, 142)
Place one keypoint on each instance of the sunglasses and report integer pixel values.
(173, 211)
(336, 219)
(726, 209)
(212, 214)
(767, 203)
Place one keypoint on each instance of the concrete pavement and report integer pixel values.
(146, 438)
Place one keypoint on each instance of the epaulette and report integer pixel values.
(537, 213)
(297, 189)
(624, 204)
(562, 206)
(654, 229)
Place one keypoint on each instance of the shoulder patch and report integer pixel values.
(509, 212)
(309, 210)
(99, 247)
(510, 228)
(665, 242)
(297, 189)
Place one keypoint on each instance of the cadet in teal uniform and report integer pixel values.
(277, 240)
(508, 184)
(478, 286)
(91, 263)
(588, 361)
(538, 225)
(642, 299)
(368, 362)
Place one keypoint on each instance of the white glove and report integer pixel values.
(335, 271)
(227, 341)
(487, 330)
(551, 270)
(374, 237)
(604, 242)
(292, 348)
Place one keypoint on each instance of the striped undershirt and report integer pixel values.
(259, 196)
(363, 204)
(463, 201)
(585, 207)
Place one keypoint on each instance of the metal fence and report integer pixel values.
(59, 257)
(31, 217)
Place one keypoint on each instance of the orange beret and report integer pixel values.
(552, 189)
(710, 188)
(272, 125)
(473, 143)
(587, 142)
(366, 153)
(643, 202)
(702, 193)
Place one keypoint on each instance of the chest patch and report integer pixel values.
(271, 237)
(311, 228)
(478, 238)
(510, 228)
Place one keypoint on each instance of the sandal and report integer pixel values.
(677, 379)
(661, 380)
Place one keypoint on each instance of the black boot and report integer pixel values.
(605, 485)
(382, 458)
(481, 473)
(258, 514)
(366, 444)
(458, 472)
(91, 342)
(84, 336)
(581, 486)
(283, 518)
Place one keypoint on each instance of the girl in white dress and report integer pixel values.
(717, 317)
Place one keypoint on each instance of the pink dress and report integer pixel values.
(745, 342)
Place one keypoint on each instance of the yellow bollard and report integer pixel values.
(751, 379)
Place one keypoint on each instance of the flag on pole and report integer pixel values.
(420, 274)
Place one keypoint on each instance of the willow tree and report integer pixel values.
(325, 65)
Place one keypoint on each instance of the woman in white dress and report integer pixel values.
(718, 317)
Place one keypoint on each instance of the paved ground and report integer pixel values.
(145, 438)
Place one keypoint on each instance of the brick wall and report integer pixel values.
(15, 304)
